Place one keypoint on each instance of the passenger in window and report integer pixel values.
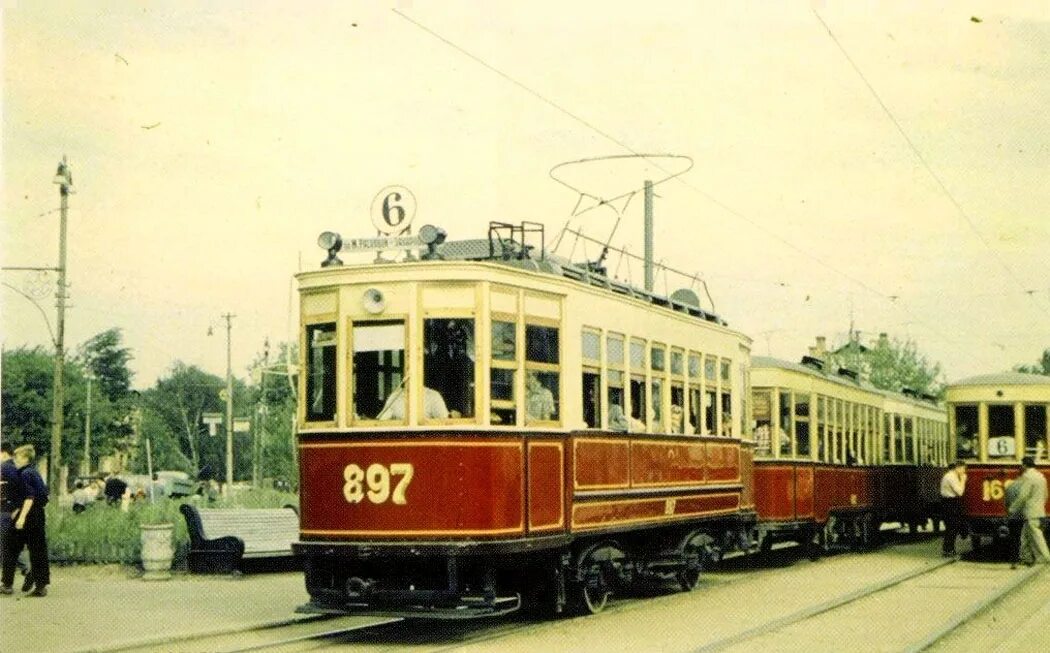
(678, 423)
(727, 424)
(617, 420)
(433, 405)
(539, 401)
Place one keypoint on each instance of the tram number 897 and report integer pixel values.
(375, 483)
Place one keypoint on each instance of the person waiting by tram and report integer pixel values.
(953, 486)
(539, 400)
(1014, 520)
(1031, 504)
(433, 404)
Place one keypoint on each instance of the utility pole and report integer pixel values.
(87, 430)
(65, 184)
(648, 236)
(229, 404)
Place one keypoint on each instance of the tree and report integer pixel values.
(108, 361)
(27, 379)
(890, 365)
(1042, 367)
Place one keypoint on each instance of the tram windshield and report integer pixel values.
(966, 430)
(320, 373)
(1035, 431)
(379, 370)
(1001, 442)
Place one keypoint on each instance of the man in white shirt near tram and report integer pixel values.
(953, 486)
(1031, 504)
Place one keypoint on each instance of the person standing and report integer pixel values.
(30, 524)
(1014, 519)
(1031, 503)
(12, 493)
(953, 486)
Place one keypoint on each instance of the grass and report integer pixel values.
(106, 534)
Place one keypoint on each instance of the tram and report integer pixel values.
(996, 420)
(836, 457)
(485, 425)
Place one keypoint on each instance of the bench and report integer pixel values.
(220, 539)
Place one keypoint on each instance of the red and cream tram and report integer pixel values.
(485, 424)
(836, 457)
(996, 420)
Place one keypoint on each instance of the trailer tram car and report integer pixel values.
(996, 420)
(488, 426)
(835, 457)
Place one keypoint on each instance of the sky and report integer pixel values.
(867, 163)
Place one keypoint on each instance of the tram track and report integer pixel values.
(974, 586)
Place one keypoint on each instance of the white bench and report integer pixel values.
(221, 538)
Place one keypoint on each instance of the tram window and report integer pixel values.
(696, 409)
(710, 410)
(637, 390)
(802, 449)
(448, 365)
(909, 439)
(784, 433)
(541, 344)
(657, 359)
(503, 373)
(822, 429)
(657, 393)
(637, 355)
(762, 405)
(617, 415)
(1035, 434)
(504, 341)
(614, 350)
(966, 430)
(592, 393)
(379, 369)
(709, 370)
(320, 371)
(541, 396)
(694, 369)
(590, 346)
(727, 414)
(887, 438)
(677, 363)
(678, 423)
(1001, 442)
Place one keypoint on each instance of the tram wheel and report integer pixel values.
(592, 593)
(692, 567)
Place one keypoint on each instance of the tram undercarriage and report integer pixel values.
(574, 578)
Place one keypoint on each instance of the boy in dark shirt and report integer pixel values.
(29, 527)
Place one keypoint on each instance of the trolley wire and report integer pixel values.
(710, 198)
(960, 211)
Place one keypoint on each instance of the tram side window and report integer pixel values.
(637, 386)
(657, 366)
(726, 399)
(695, 397)
(614, 380)
(762, 404)
(1001, 442)
(379, 368)
(822, 429)
(1035, 434)
(710, 397)
(590, 349)
(542, 390)
(503, 372)
(966, 432)
(782, 441)
(320, 372)
(802, 426)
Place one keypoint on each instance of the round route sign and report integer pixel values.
(393, 209)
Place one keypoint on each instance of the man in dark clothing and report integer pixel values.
(30, 527)
(12, 493)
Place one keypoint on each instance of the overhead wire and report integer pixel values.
(892, 299)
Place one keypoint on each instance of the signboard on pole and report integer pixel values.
(212, 420)
(242, 424)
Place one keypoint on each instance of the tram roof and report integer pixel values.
(833, 377)
(1003, 378)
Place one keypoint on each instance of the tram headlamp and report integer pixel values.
(431, 236)
(333, 242)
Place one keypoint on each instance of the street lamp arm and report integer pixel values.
(39, 308)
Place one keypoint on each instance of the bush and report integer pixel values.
(106, 534)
